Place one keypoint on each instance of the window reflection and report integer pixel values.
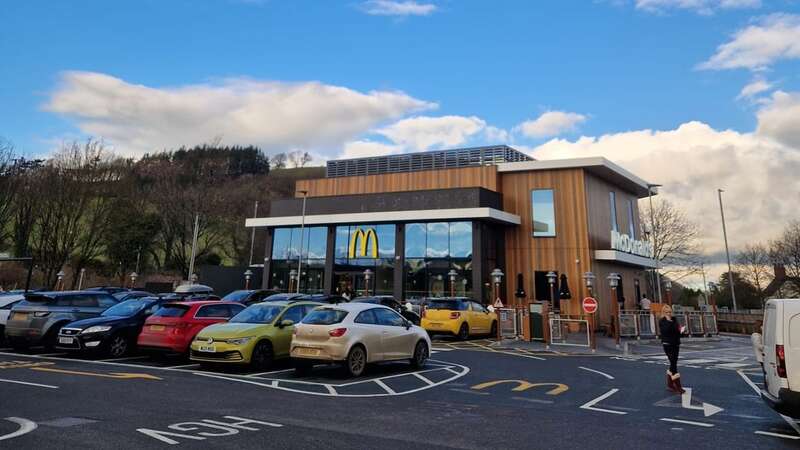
(432, 251)
(543, 210)
(438, 240)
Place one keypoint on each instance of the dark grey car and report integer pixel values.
(37, 319)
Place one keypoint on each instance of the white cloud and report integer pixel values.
(551, 123)
(755, 47)
(692, 161)
(273, 115)
(366, 148)
(495, 135)
(780, 118)
(699, 6)
(423, 132)
(395, 8)
(755, 87)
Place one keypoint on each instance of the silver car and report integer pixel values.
(357, 334)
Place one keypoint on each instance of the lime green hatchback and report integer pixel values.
(258, 335)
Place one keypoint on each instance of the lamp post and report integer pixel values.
(60, 281)
(452, 274)
(497, 277)
(292, 276)
(668, 288)
(80, 280)
(588, 278)
(727, 252)
(134, 276)
(302, 236)
(367, 276)
(613, 282)
(551, 280)
(655, 234)
(247, 275)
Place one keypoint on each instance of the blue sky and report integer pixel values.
(693, 94)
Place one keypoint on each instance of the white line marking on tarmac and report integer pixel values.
(384, 386)
(468, 391)
(181, 366)
(25, 426)
(785, 436)
(52, 354)
(330, 389)
(590, 404)
(788, 420)
(533, 400)
(597, 371)
(252, 375)
(688, 422)
(4, 380)
(427, 381)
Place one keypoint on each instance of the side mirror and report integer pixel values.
(285, 323)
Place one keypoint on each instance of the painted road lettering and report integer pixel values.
(523, 385)
(23, 364)
(115, 375)
(213, 428)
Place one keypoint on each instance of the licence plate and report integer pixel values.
(18, 316)
(307, 351)
(65, 340)
(156, 327)
(208, 348)
(435, 324)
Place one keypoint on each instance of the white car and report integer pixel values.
(357, 334)
(778, 350)
(7, 301)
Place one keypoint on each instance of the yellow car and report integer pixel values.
(258, 335)
(460, 317)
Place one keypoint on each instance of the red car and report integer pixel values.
(173, 326)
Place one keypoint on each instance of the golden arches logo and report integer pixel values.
(361, 239)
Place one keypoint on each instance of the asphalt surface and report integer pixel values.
(470, 395)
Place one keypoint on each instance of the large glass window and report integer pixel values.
(612, 203)
(461, 239)
(415, 240)
(543, 210)
(631, 221)
(438, 240)
(432, 250)
(362, 247)
(286, 251)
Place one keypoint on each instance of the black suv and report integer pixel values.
(37, 319)
(388, 300)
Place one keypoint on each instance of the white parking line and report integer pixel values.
(384, 386)
(688, 422)
(590, 404)
(28, 384)
(785, 436)
(182, 366)
(597, 371)
(430, 383)
(330, 389)
(268, 373)
(52, 354)
(788, 420)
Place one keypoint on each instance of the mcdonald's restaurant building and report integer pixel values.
(438, 223)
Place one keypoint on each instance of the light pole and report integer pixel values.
(727, 252)
(247, 275)
(194, 244)
(668, 288)
(253, 234)
(655, 235)
(588, 278)
(613, 282)
(367, 276)
(452, 275)
(551, 280)
(302, 236)
(80, 280)
(60, 282)
(292, 276)
(134, 276)
(497, 277)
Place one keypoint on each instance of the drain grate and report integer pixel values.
(64, 422)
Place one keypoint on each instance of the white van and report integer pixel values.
(778, 350)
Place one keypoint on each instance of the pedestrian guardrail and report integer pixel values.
(569, 331)
(643, 324)
(510, 325)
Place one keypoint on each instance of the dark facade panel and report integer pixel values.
(390, 201)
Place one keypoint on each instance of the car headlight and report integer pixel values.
(239, 341)
(96, 329)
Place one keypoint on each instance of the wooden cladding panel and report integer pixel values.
(599, 206)
(568, 252)
(483, 176)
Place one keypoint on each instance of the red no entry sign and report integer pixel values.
(589, 305)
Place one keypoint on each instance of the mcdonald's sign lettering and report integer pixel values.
(361, 239)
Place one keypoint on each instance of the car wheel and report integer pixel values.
(420, 355)
(303, 368)
(463, 332)
(493, 330)
(356, 361)
(262, 356)
(118, 346)
(49, 341)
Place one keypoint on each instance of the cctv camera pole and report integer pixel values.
(194, 243)
(727, 252)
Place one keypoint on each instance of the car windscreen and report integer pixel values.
(259, 313)
(453, 305)
(280, 297)
(325, 316)
(236, 296)
(172, 310)
(126, 309)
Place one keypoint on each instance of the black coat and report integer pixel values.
(670, 331)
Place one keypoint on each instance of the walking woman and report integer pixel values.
(671, 339)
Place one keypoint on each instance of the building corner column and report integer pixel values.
(330, 260)
(398, 290)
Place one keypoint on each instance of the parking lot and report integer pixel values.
(471, 394)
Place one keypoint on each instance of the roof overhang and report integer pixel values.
(596, 165)
(625, 258)
(489, 214)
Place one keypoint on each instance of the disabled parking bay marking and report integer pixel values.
(25, 427)
(523, 385)
(212, 428)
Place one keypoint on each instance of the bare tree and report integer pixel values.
(8, 188)
(755, 266)
(278, 161)
(299, 158)
(785, 249)
(675, 238)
